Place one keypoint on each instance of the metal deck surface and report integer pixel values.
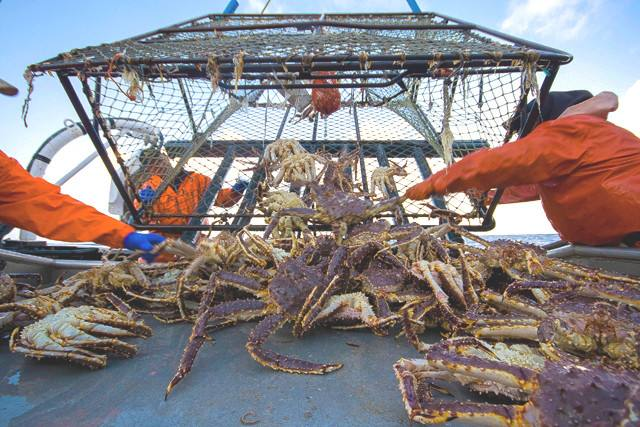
(224, 386)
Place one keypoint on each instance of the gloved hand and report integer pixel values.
(147, 194)
(143, 242)
(240, 185)
(420, 191)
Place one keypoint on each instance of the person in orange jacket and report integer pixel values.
(183, 195)
(36, 205)
(584, 169)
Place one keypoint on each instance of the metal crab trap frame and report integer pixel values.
(416, 90)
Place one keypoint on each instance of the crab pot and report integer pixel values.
(417, 90)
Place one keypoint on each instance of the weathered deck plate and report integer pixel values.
(224, 386)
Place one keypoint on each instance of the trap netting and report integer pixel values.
(386, 126)
(416, 92)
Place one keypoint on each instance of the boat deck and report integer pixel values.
(225, 387)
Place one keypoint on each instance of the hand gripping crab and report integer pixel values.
(556, 395)
(337, 208)
(382, 178)
(75, 333)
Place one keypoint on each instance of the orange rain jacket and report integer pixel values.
(585, 169)
(180, 200)
(38, 206)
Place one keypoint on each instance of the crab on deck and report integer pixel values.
(559, 394)
(568, 327)
(298, 292)
(76, 333)
(306, 290)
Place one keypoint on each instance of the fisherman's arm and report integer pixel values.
(553, 149)
(36, 205)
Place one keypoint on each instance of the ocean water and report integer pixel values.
(536, 239)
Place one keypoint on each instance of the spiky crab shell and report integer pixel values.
(336, 204)
(293, 283)
(575, 395)
(7, 288)
(363, 233)
(592, 328)
(384, 274)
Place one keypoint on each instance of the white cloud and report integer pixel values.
(564, 19)
(256, 6)
(628, 113)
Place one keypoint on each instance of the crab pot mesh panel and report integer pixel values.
(401, 130)
(208, 96)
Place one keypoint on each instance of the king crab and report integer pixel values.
(75, 333)
(568, 326)
(382, 178)
(557, 394)
(337, 208)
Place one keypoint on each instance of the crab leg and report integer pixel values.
(384, 314)
(227, 313)
(470, 295)
(122, 306)
(411, 333)
(106, 324)
(193, 267)
(309, 318)
(36, 308)
(526, 329)
(448, 280)
(512, 304)
(265, 357)
(240, 282)
(421, 270)
(139, 275)
(425, 410)
(197, 337)
(616, 292)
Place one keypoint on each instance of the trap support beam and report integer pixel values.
(97, 143)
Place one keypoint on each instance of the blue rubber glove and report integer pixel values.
(143, 242)
(240, 185)
(147, 194)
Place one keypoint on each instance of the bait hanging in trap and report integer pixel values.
(407, 94)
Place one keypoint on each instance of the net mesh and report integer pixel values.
(386, 125)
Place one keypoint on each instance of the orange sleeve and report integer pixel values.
(553, 149)
(516, 194)
(38, 206)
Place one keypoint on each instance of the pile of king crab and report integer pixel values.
(558, 342)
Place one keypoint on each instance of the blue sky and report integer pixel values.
(602, 36)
